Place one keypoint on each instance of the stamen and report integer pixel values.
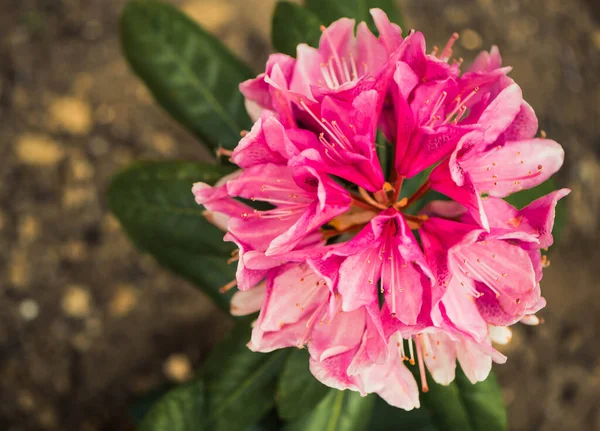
(224, 152)
(333, 74)
(424, 386)
(335, 55)
(346, 71)
(310, 324)
(436, 107)
(401, 349)
(392, 283)
(459, 105)
(410, 350)
(447, 52)
(353, 65)
(326, 76)
(227, 287)
(324, 124)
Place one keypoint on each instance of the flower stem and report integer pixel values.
(418, 194)
(370, 200)
(397, 188)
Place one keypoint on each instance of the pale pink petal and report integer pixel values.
(339, 334)
(392, 381)
(307, 70)
(515, 166)
(441, 361)
(475, 363)
(249, 301)
(390, 34)
(524, 126)
(467, 195)
(500, 113)
(460, 308)
(293, 293)
(500, 334)
(332, 372)
(371, 52)
(538, 216)
(337, 41)
(506, 269)
(265, 143)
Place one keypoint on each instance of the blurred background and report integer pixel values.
(87, 323)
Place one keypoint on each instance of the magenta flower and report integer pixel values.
(342, 66)
(327, 252)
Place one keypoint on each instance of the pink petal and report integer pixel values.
(392, 381)
(292, 294)
(265, 143)
(249, 301)
(332, 372)
(338, 334)
(307, 70)
(390, 34)
(506, 269)
(461, 310)
(331, 201)
(337, 40)
(441, 362)
(288, 336)
(514, 166)
(524, 126)
(429, 146)
(500, 113)
(257, 90)
(358, 287)
(371, 53)
(246, 277)
(538, 216)
(467, 195)
(475, 363)
(486, 61)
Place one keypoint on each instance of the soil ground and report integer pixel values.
(87, 323)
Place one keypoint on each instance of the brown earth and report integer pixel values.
(87, 323)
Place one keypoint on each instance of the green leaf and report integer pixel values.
(154, 203)
(331, 10)
(525, 197)
(298, 392)
(239, 383)
(338, 411)
(292, 25)
(462, 406)
(483, 402)
(182, 409)
(386, 417)
(191, 74)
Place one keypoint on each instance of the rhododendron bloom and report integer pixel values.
(335, 257)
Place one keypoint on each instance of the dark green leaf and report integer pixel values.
(154, 203)
(524, 197)
(483, 402)
(189, 72)
(338, 411)
(292, 25)
(298, 392)
(385, 154)
(239, 383)
(182, 409)
(462, 406)
(331, 10)
(386, 417)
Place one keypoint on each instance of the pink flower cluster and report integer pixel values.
(329, 253)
